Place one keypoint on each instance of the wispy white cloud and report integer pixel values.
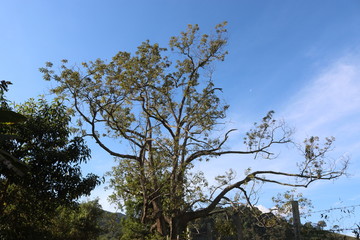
(330, 103)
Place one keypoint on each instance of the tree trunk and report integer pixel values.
(178, 230)
(162, 227)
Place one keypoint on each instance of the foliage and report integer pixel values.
(86, 220)
(314, 232)
(13, 168)
(133, 229)
(53, 157)
(6, 115)
(166, 111)
(321, 224)
(110, 224)
(77, 223)
(241, 223)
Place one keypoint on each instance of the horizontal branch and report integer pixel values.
(254, 176)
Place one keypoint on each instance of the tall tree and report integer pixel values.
(167, 110)
(45, 145)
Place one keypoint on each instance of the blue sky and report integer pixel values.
(299, 58)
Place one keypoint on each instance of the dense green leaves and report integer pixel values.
(85, 221)
(77, 223)
(45, 145)
(12, 167)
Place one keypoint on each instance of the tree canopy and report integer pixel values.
(52, 155)
(80, 223)
(162, 104)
